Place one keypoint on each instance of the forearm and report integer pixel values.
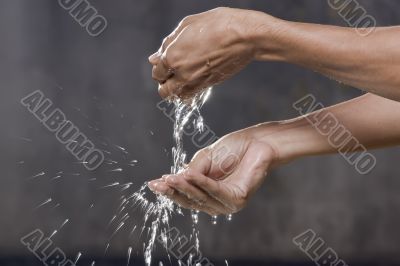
(369, 62)
(370, 120)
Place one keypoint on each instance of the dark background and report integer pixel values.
(103, 84)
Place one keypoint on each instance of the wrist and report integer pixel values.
(267, 36)
(275, 135)
(261, 33)
(290, 139)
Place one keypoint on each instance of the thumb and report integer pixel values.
(201, 161)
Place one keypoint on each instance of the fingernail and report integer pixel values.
(152, 185)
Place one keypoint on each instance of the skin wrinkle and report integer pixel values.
(231, 39)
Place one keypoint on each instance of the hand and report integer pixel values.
(205, 49)
(221, 178)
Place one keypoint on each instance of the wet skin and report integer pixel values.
(210, 47)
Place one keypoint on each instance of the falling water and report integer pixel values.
(183, 113)
(163, 207)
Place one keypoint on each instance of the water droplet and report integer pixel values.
(214, 219)
(129, 255)
(78, 257)
(116, 170)
(195, 216)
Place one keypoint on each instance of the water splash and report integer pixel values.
(129, 255)
(116, 170)
(37, 175)
(53, 234)
(77, 258)
(157, 213)
(42, 204)
(162, 209)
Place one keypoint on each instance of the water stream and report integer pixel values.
(162, 209)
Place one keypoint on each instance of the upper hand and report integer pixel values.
(205, 49)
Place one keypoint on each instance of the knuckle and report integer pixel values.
(165, 43)
(153, 72)
(202, 181)
(177, 181)
(171, 57)
(162, 91)
(188, 19)
(190, 175)
(165, 39)
(221, 9)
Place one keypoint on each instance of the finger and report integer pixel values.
(210, 205)
(161, 72)
(184, 202)
(212, 187)
(155, 58)
(160, 187)
(193, 193)
(175, 33)
(168, 89)
(201, 161)
(179, 183)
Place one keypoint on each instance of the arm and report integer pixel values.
(208, 48)
(369, 62)
(220, 186)
(369, 119)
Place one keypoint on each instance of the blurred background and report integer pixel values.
(103, 84)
